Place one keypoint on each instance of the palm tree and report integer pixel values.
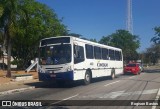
(8, 25)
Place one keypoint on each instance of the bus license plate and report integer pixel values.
(53, 75)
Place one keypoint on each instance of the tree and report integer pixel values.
(127, 42)
(24, 23)
(156, 38)
(41, 22)
(154, 50)
(9, 11)
(152, 54)
(93, 40)
(74, 34)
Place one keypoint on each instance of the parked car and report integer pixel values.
(132, 68)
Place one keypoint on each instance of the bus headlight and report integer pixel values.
(69, 68)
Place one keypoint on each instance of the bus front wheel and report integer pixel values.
(87, 78)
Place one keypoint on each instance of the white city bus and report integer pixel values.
(69, 58)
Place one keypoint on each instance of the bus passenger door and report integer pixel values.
(79, 65)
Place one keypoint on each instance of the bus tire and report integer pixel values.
(87, 78)
(113, 74)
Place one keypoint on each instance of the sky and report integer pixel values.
(97, 18)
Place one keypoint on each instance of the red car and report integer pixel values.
(133, 68)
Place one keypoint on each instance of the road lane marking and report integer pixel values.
(158, 94)
(121, 93)
(16, 90)
(111, 83)
(114, 95)
(64, 99)
(71, 97)
(135, 76)
(132, 77)
(156, 100)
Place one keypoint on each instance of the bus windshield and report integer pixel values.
(55, 54)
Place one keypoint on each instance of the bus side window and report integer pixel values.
(111, 55)
(105, 54)
(78, 54)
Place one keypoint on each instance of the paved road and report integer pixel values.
(124, 87)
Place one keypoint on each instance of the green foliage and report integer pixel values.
(1, 10)
(93, 40)
(156, 38)
(152, 54)
(74, 34)
(127, 42)
(31, 21)
(41, 22)
(8, 23)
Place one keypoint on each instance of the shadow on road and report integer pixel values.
(49, 84)
(145, 79)
(67, 84)
(152, 71)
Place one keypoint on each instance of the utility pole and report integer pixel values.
(129, 22)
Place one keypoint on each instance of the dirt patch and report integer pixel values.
(4, 79)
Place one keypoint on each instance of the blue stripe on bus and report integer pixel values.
(58, 76)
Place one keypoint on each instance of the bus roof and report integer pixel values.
(94, 43)
(85, 41)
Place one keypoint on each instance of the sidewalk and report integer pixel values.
(7, 85)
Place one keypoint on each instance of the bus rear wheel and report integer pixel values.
(87, 78)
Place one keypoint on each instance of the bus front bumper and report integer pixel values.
(55, 76)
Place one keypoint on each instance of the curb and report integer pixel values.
(22, 78)
(16, 90)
